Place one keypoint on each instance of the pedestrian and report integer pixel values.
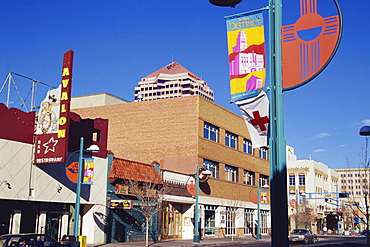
(325, 230)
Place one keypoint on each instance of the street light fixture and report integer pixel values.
(204, 173)
(258, 237)
(225, 3)
(92, 148)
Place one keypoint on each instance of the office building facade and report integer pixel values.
(312, 193)
(181, 133)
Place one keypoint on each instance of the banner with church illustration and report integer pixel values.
(246, 53)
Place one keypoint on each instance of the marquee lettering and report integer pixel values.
(63, 108)
(62, 121)
(65, 71)
(64, 99)
(64, 96)
(61, 133)
(65, 83)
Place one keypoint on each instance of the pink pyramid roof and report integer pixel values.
(172, 68)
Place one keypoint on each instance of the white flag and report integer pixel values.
(255, 112)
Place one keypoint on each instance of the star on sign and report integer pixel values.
(50, 145)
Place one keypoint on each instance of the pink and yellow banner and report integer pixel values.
(263, 197)
(246, 52)
(88, 171)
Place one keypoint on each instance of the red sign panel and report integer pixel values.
(308, 45)
(72, 171)
(53, 121)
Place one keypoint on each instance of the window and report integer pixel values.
(230, 220)
(264, 221)
(249, 177)
(291, 180)
(248, 221)
(264, 180)
(247, 146)
(263, 153)
(211, 132)
(231, 140)
(210, 212)
(212, 166)
(231, 173)
(302, 180)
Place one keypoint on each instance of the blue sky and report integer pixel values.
(117, 42)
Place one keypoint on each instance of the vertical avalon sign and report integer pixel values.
(53, 119)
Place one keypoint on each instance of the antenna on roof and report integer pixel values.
(172, 58)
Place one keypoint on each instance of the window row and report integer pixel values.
(301, 180)
(354, 181)
(232, 173)
(231, 216)
(212, 132)
(355, 175)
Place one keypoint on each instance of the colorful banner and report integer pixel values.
(246, 52)
(88, 171)
(53, 120)
(263, 197)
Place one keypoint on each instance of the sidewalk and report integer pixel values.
(189, 242)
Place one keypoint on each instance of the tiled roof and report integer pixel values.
(172, 68)
(136, 171)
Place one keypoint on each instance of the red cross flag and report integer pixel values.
(255, 112)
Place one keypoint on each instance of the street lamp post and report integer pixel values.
(78, 193)
(296, 208)
(279, 211)
(196, 238)
(365, 131)
(92, 148)
(204, 173)
(258, 237)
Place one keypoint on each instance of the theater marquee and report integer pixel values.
(53, 119)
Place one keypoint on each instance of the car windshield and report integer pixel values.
(299, 231)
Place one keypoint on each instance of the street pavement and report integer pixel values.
(189, 242)
(210, 241)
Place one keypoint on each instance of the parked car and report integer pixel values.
(302, 235)
(365, 232)
(29, 240)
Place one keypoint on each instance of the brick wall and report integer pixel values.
(170, 131)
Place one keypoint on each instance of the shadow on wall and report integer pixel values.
(205, 188)
(58, 172)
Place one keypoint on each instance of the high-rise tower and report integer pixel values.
(171, 81)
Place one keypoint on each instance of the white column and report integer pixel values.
(41, 223)
(16, 222)
(64, 224)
